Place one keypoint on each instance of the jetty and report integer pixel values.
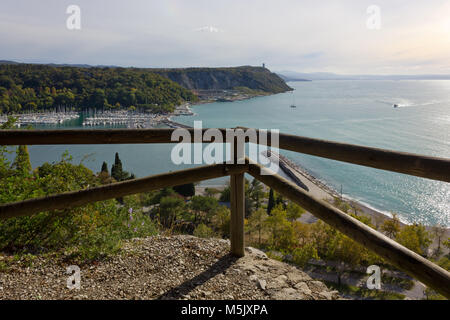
(287, 166)
(172, 124)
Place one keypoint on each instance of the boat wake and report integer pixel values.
(402, 103)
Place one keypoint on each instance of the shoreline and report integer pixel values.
(322, 191)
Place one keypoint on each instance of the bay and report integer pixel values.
(358, 112)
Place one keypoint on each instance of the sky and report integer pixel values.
(340, 36)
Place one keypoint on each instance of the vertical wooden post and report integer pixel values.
(237, 198)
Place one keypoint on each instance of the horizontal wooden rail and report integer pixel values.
(408, 163)
(402, 162)
(116, 190)
(405, 259)
(89, 136)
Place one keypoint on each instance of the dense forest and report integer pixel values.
(31, 88)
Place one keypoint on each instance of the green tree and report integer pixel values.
(211, 192)
(301, 255)
(414, 237)
(256, 192)
(26, 88)
(253, 195)
(447, 243)
(279, 200)
(186, 190)
(225, 196)
(104, 176)
(203, 207)
(281, 230)
(203, 231)
(294, 211)
(5, 166)
(117, 171)
(171, 209)
(271, 202)
(82, 233)
(221, 221)
(391, 226)
(341, 204)
(105, 167)
(257, 222)
(439, 232)
(22, 163)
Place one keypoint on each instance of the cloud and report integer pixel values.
(299, 35)
(209, 29)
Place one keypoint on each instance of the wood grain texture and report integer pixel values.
(116, 190)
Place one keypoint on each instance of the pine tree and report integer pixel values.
(186, 190)
(116, 169)
(271, 203)
(105, 167)
(22, 162)
(257, 223)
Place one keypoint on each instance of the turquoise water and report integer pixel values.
(358, 112)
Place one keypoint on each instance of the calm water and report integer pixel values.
(358, 112)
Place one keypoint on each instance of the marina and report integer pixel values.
(41, 118)
(120, 118)
(132, 119)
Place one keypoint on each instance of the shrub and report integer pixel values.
(303, 254)
(203, 231)
(83, 233)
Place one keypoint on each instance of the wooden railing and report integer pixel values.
(407, 163)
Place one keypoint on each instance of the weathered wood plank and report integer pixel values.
(408, 163)
(413, 164)
(89, 136)
(237, 214)
(237, 203)
(116, 190)
(405, 259)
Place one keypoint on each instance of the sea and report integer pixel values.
(352, 111)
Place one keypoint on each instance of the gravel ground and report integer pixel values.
(177, 267)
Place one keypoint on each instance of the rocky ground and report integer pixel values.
(177, 267)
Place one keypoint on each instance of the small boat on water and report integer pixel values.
(293, 101)
(395, 105)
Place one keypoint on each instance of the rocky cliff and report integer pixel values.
(254, 78)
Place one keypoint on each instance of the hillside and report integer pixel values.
(30, 88)
(177, 267)
(254, 78)
(34, 87)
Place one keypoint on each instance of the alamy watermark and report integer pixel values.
(73, 22)
(74, 280)
(186, 152)
(374, 281)
(374, 20)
